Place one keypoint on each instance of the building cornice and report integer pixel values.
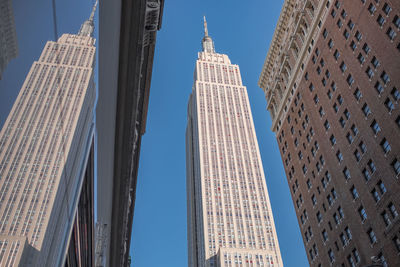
(270, 78)
(276, 42)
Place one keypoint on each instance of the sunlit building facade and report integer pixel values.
(331, 79)
(44, 147)
(230, 221)
(8, 35)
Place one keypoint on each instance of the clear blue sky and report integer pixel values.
(241, 30)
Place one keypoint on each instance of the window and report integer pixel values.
(354, 192)
(349, 138)
(346, 34)
(366, 48)
(309, 185)
(396, 21)
(375, 62)
(333, 86)
(362, 147)
(304, 169)
(358, 36)
(390, 33)
(330, 43)
(371, 9)
(361, 58)
(346, 173)
(334, 194)
(331, 256)
(354, 129)
(327, 125)
(329, 94)
(382, 259)
(353, 45)
(311, 87)
(343, 14)
(369, 72)
(357, 155)
(375, 195)
(316, 99)
(343, 239)
(356, 255)
(366, 110)
(393, 210)
(396, 166)
(386, 218)
(321, 112)
(335, 107)
(336, 218)
(357, 94)
(381, 187)
(380, 20)
(386, 8)
(385, 145)
(367, 174)
(371, 166)
(385, 77)
(333, 140)
(324, 183)
(348, 233)
(362, 213)
(375, 127)
(336, 54)
(339, 23)
(396, 94)
(372, 237)
(324, 235)
(389, 105)
(350, 24)
(319, 217)
(339, 156)
(346, 114)
(343, 66)
(396, 242)
(350, 80)
(327, 74)
(378, 87)
(314, 200)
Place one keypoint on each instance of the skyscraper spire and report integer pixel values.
(208, 44)
(205, 27)
(87, 27)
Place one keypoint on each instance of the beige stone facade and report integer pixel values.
(230, 222)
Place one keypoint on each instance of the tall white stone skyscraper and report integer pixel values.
(44, 146)
(8, 35)
(230, 221)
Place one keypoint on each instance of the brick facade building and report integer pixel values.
(332, 82)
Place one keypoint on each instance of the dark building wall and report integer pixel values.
(81, 245)
(334, 89)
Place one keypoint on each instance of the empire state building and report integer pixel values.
(44, 149)
(230, 220)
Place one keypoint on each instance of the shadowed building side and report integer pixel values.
(128, 32)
